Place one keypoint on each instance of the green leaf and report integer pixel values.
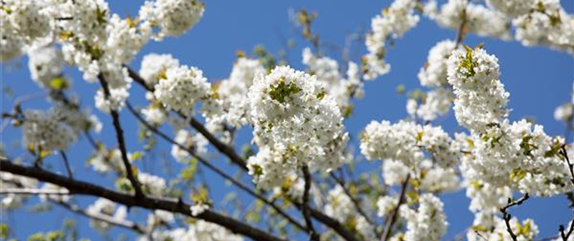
(282, 90)
(58, 83)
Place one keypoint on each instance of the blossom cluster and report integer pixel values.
(407, 142)
(338, 86)
(519, 153)
(393, 22)
(296, 124)
(57, 128)
(199, 230)
(433, 75)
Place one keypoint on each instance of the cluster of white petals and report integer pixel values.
(153, 66)
(480, 96)
(45, 64)
(229, 103)
(407, 142)
(197, 143)
(340, 207)
(105, 207)
(565, 111)
(197, 231)
(338, 86)
(428, 222)
(296, 124)
(501, 152)
(173, 17)
(21, 23)
(393, 22)
(9, 180)
(181, 88)
(475, 18)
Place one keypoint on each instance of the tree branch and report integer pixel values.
(220, 146)
(389, 225)
(305, 208)
(506, 216)
(214, 168)
(121, 142)
(353, 199)
(67, 164)
(171, 205)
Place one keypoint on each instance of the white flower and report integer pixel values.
(182, 88)
(105, 207)
(153, 65)
(230, 103)
(46, 132)
(434, 72)
(173, 17)
(295, 123)
(115, 101)
(153, 185)
(480, 96)
(428, 222)
(478, 18)
(197, 143)
(564, 112)
(9, 180)
(45, 64)
(393, 22)
(154, 114)
(386, 204)
(407, 142)
(22, 22)
(198, 209)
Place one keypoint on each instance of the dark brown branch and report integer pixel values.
(234, 157)
(565, 235)
(220, 146)
(214, 168)
(171, 205)
(393, 218)
(305, 208)
(506, 216)
(564, 153)
(121, 142)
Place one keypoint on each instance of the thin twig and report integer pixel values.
(564, 153)
(67, 164)
(121, 142)
(393, 218)
(220, 146)
(213, 168)
(506, 216)
(353, 199)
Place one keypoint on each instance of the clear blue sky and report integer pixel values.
(538, 80)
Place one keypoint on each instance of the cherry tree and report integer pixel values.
(296, 176)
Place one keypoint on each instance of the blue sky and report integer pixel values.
(538, 79)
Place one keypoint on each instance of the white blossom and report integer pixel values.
(428, 222)
(182, 88)
(173, 17)
(295, 124)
